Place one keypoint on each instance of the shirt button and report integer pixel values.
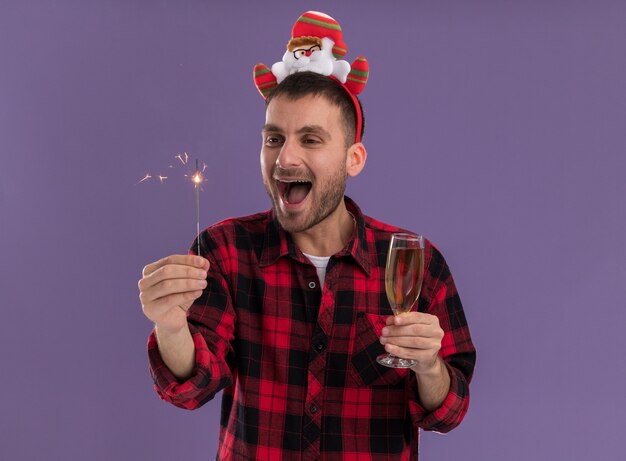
(311, 285)
(313, 408)
(319, 346)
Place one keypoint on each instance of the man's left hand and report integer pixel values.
(414, 335)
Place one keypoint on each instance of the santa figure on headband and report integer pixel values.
(316, 45)
(311, 54)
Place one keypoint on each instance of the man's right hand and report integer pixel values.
(169, 287)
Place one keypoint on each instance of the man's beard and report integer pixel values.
(327, 201)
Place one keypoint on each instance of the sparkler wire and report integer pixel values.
(197, 180)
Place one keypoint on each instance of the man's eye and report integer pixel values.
(310, 141)
(272, 140)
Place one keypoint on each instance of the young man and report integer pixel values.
(286, 310)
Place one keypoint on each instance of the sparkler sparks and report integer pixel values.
(184, 158)
(148, 176)
(197, 178)
(145, 178)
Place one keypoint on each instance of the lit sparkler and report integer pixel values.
(197, 180)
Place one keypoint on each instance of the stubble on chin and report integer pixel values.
(320, 208)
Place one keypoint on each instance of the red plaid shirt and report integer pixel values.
(298, 363)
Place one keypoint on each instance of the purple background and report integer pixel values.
(496, 128)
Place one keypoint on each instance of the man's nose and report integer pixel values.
(288, 157)
(308, 53)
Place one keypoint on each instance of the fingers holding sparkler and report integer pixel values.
(169, 287)
(177, 260)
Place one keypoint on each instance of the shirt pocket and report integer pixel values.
(364, 367)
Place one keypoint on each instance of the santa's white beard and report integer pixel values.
(320, 62)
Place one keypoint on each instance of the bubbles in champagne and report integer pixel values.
(403, 277)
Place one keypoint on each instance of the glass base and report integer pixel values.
(392, 361)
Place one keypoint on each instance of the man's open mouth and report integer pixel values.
(293, 191)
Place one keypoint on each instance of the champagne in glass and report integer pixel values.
(403, 282)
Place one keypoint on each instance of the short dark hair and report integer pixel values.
(300, 84)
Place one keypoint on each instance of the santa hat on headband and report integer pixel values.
(316, 45)
(316, 24)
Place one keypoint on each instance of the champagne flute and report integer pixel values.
(403, 282)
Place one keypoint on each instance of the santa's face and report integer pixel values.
(310, 57)
(303, 160)
(311, 52)
(304, 55)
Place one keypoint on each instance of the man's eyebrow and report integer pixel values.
(314, 129)
(270, 127)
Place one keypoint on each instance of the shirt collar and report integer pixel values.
(279, 243)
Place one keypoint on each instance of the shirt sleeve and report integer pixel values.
(211, 321)
(457, 350)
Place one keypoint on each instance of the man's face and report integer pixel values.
(303, 160)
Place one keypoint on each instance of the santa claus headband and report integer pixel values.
(317, 45)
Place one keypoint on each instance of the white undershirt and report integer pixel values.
(320, 263)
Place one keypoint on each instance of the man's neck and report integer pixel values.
(329, 236)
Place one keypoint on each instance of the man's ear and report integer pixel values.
(355, 160)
